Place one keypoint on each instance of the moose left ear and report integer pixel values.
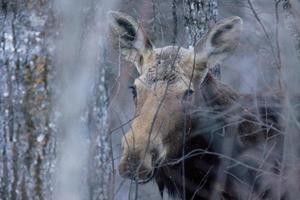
(220, 41)
(128, 36)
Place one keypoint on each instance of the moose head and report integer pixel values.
(165, 89)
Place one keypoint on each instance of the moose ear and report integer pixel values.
(128, 36)
(220, 41)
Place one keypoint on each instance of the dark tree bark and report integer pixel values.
(31, 86)
(199, 16)
(26, 143)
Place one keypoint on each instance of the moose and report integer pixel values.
(192, 134)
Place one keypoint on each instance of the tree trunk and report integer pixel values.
(199, 16)
(292, 14)
(26, 139)
(36, 79)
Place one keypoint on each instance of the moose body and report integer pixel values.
(195, 136)
(225, 129)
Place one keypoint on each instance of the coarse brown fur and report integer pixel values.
(224, 117)
(195, 136)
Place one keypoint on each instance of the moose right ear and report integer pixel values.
(220, 41)
(128, 36)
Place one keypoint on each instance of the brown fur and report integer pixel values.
(194, 135)
(225, 117)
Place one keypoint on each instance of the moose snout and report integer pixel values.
(136, 167)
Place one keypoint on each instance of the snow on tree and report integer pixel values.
(199, 16)
(34, 82)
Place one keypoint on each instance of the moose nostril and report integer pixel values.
(128, 167)
(129, 172)
(125, 171)
(133, 169)
(154, 154)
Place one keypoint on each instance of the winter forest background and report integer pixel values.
(64, 98)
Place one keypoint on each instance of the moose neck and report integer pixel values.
(212, 93)
(211, 96)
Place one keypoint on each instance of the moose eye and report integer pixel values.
(187, 93)
(133, 91)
